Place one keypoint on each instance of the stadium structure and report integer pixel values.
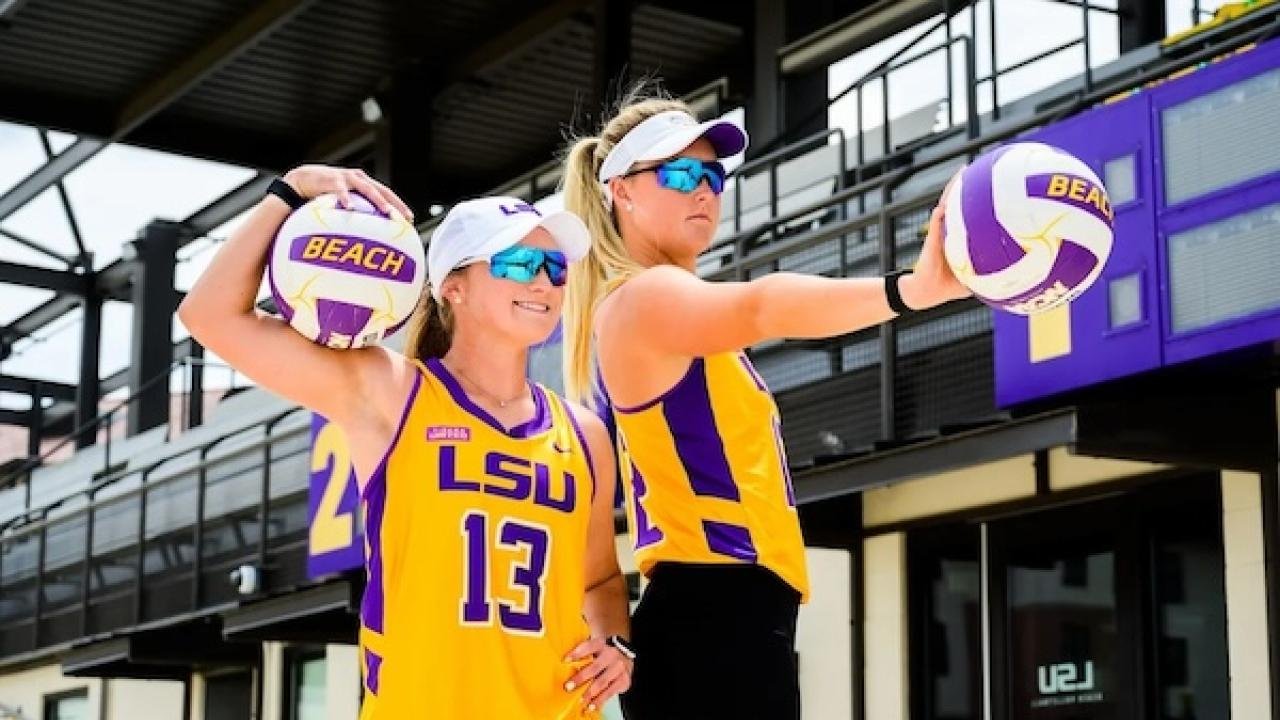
(1072, 516)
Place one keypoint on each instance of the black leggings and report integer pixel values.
(714, 641)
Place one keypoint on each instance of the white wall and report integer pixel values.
(885, 626)
(824, 638)
(25, 690)
(1243, 548)
(342, 682)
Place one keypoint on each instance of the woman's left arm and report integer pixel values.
(605, 605)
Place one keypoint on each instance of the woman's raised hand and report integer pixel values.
(311, 181)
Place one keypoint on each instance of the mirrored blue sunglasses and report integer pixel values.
(685, 173)
(522, 263)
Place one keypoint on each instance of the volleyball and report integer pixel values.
(1028, 227)
(346, 277)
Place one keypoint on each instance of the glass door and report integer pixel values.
(1063, 585)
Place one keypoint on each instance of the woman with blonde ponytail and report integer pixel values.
(709, 497)
(493, 582)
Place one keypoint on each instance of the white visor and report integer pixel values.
(664, 135)
(475, 230)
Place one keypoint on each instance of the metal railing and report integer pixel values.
(105, 424)
(147, 543)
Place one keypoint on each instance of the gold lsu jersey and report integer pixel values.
(475, 552)
(705, 473)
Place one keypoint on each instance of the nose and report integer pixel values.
(541, 280)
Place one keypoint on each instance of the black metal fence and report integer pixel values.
(161, 540)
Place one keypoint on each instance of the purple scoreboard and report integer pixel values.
(336, 540)
(1193, 169)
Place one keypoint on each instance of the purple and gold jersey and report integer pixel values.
(706, 474)
(476, 560)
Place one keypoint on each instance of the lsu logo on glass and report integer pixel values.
(1063, 677)
(511, 477)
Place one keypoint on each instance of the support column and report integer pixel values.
(768, 33)
(1141, 22)
(1246, 593)
(403, 138)
(35, 423)
(195, 391)
(611, 69)
(884, 567)
(87, 389)
(154, 302)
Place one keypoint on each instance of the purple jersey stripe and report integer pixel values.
(647, 533)
(372, 605)
(751, 370)
(582, 440)
(539, 423)
(991, 248)
(373, 670)
(689, 417)
(730, 540)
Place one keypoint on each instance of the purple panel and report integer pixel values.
(689, 416)
(351, 556)
(1098, 353)
(991, 247)
(1255, 328)
(729, 540)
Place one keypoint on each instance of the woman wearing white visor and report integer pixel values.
(709, 497)
(493, 584)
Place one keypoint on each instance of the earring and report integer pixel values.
(630, 207)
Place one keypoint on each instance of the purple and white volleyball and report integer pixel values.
(1028, 227)
(346, 277)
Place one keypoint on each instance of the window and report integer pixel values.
(1125, 300)
(1120, 175)
(946, 625)
(304, 695)
(229, 695)
(70, 705)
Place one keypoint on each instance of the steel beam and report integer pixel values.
(60, 281)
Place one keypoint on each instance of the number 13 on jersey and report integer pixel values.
(524, 548)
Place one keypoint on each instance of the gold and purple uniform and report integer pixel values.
(476, 544)
(705, 473)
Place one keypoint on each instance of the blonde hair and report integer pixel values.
(607, 265)
(430, 329)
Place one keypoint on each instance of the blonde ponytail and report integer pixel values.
(430, 329)
(608, 264)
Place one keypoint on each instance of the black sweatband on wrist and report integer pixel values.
(285, 192)
(893, 293)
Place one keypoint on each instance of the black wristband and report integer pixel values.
(622, 646)
(893, 294)
(285, 192)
